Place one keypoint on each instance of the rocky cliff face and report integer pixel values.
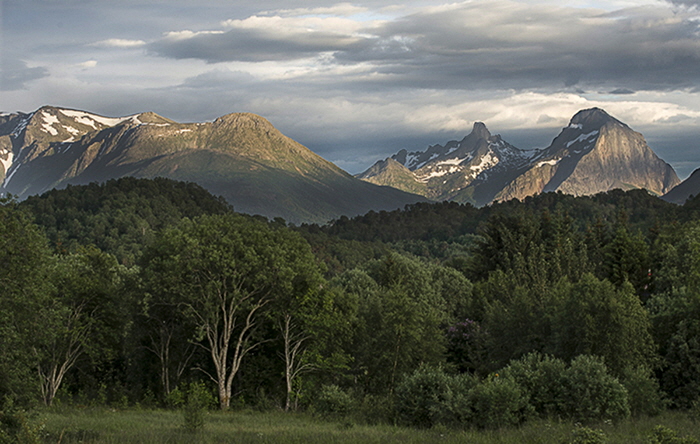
(594, 153)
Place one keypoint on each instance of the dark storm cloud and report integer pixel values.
(15, 74)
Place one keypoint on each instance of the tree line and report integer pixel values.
(131, 291)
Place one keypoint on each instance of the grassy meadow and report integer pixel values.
(99, 425)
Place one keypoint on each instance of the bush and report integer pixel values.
(498, 402)
(643, 392)
(584, 435)
(198, 400)
(664, 435)
(16, 428)
(541, 377)
(430, 396)
(333, 401)
(592, 393)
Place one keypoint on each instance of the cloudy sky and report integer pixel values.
(356, 81)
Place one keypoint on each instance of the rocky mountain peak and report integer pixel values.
(244, 120)
(480, 131)
(592, 119)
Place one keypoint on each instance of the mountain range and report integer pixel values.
(258, 170)
(594, 153)
(241, 157)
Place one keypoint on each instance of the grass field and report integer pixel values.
(95, 425)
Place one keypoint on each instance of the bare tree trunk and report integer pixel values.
(293, 367)
(61, 362)
(219, 333)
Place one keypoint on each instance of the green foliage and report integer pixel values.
(24, 292)
(643, 391)
(498, 402)
(585, 435)
(119, 216)
(665, 435)
(399, 319)
(198, 400)
(598, 319)
(591, 393)
(332, 401)
(15, 426)
(542, 379)
(429, 396)
(681, 377)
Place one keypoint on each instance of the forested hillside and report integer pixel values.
(136, 291)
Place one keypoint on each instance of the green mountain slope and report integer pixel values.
(241, 157)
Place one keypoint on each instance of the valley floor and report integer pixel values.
(94, 425)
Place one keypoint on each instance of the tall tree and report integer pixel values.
(225, 271)
(80, 311)
(598, 319)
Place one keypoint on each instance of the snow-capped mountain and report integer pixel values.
(241, 157)
(594, 153)
(459, 169)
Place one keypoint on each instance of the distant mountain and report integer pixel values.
(690, 187)
(241, 157)
(471, 170)
(594, 153)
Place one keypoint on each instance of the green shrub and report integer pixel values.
(592, 393)
(15, 427)
(498, 402)
(664, 435)
(333, 401)
(375, 409)
(199, 399)
(430, 396)
(643, 392)
(175, 399)
(541, 377)
(584, 435)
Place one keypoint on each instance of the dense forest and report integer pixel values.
(145, 291)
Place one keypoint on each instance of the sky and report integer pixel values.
(357, 81)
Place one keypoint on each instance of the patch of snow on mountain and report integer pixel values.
(7, 163)
(21, 126)
(49, 120)
(71, 130)
(422, 164)
(439, 173)
(455, 161)
(581, 138)
(575, 126)
(488, 161)
(184, 130)
(547, 162)
(411, 159)
(90, 119)
(8, 177)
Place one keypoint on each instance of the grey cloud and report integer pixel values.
(250, 45)
(621, 91)
(496, 44)
(16, 74)
(690, 3)
(483, 44)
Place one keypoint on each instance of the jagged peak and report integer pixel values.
(479, 130)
